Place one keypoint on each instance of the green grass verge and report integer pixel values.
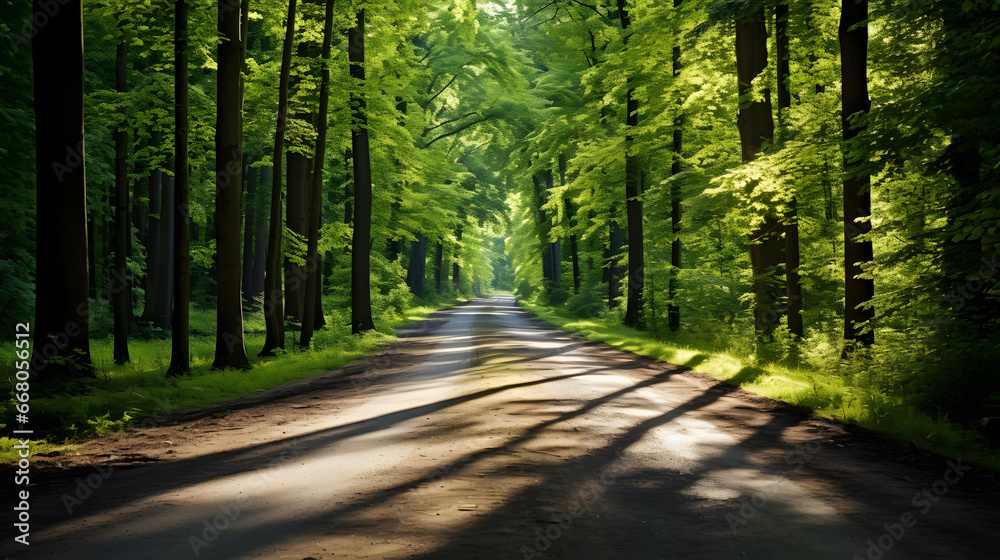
(123, 394)
(851, 399)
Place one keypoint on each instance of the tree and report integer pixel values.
(62, 307)
(180, 353)
(673, 310)
(858, 290)
(121, 294)
(230, 351)
(633, 204)
(756, 126)
(313, 304)
(361, 305)
(274, 315)
(793, 287)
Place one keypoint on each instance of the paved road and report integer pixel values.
(485, 434)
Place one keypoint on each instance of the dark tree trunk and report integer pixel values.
(756, 126)
(543, 230)
(793, 287)
(274, 315)
(361, 297)
(569, 217)
(633, 204)
(180, 351)
(153, 282)
(313, 311)
(163, 305)
(555, 251)
(297, 221)
(858, 292)
(416, 271)
(438, 264)
(614, 250)
(249, 214)
(456, 268)
(121, 294)
(62, 307)
(673, 310)
(260, 235)
(230, 351)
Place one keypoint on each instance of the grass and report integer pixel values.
(852, 398)
(124, 394)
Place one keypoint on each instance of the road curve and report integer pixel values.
(486, 434)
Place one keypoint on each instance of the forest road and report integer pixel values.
(485, 434)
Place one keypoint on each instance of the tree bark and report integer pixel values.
(249, 213)
(180, 351)
(121, 293)
(614, 249)
(361, 303)
(416, 271)
(673, 310)
(230, 351)
(756, 126)
(438, 264)
(313, 301)
(274, 315)
(162, 313)
(62, 307)
(153, 282)
(574, 255)
(633, 204)
(858, 292)
(260, 235)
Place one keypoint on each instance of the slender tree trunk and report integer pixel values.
(62, 287)
(297, 221)
(756, 125)
(274, 315)
(313, 302)
(456, 267)
(416, 271)
(793, 287)
(361, 303)
(180, 352)
(230, 351)
(555, 250)
(633, 204)
(260, 235)
(153, 280)
(614, 250)
(673, 310)
(163, 305)
(574, 255)
(121, 294)
(438, 264)
(858, 292)
(249, 210)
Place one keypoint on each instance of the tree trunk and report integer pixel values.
(416, 271)
(121, 295)
(62, 307)
(673, 310)
(260, 236)
(249, 214)
(614, 249)
(313, 301)
(230, 351)
(456, 268)
(569, 217)
(153, 282)
(296, 221)
(438, 264)
(633, 204)
(793, 287)
(857, 198)
(361, 298)
(555, 251)
(180, 351)
(756, 125)
(274, 315)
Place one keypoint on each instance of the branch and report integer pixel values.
(447, 122)
(453, 78)
(587, 6)
(538, 10)
(456, 131)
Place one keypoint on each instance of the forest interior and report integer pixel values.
(204, 200)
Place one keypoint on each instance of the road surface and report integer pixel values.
(486, 434)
